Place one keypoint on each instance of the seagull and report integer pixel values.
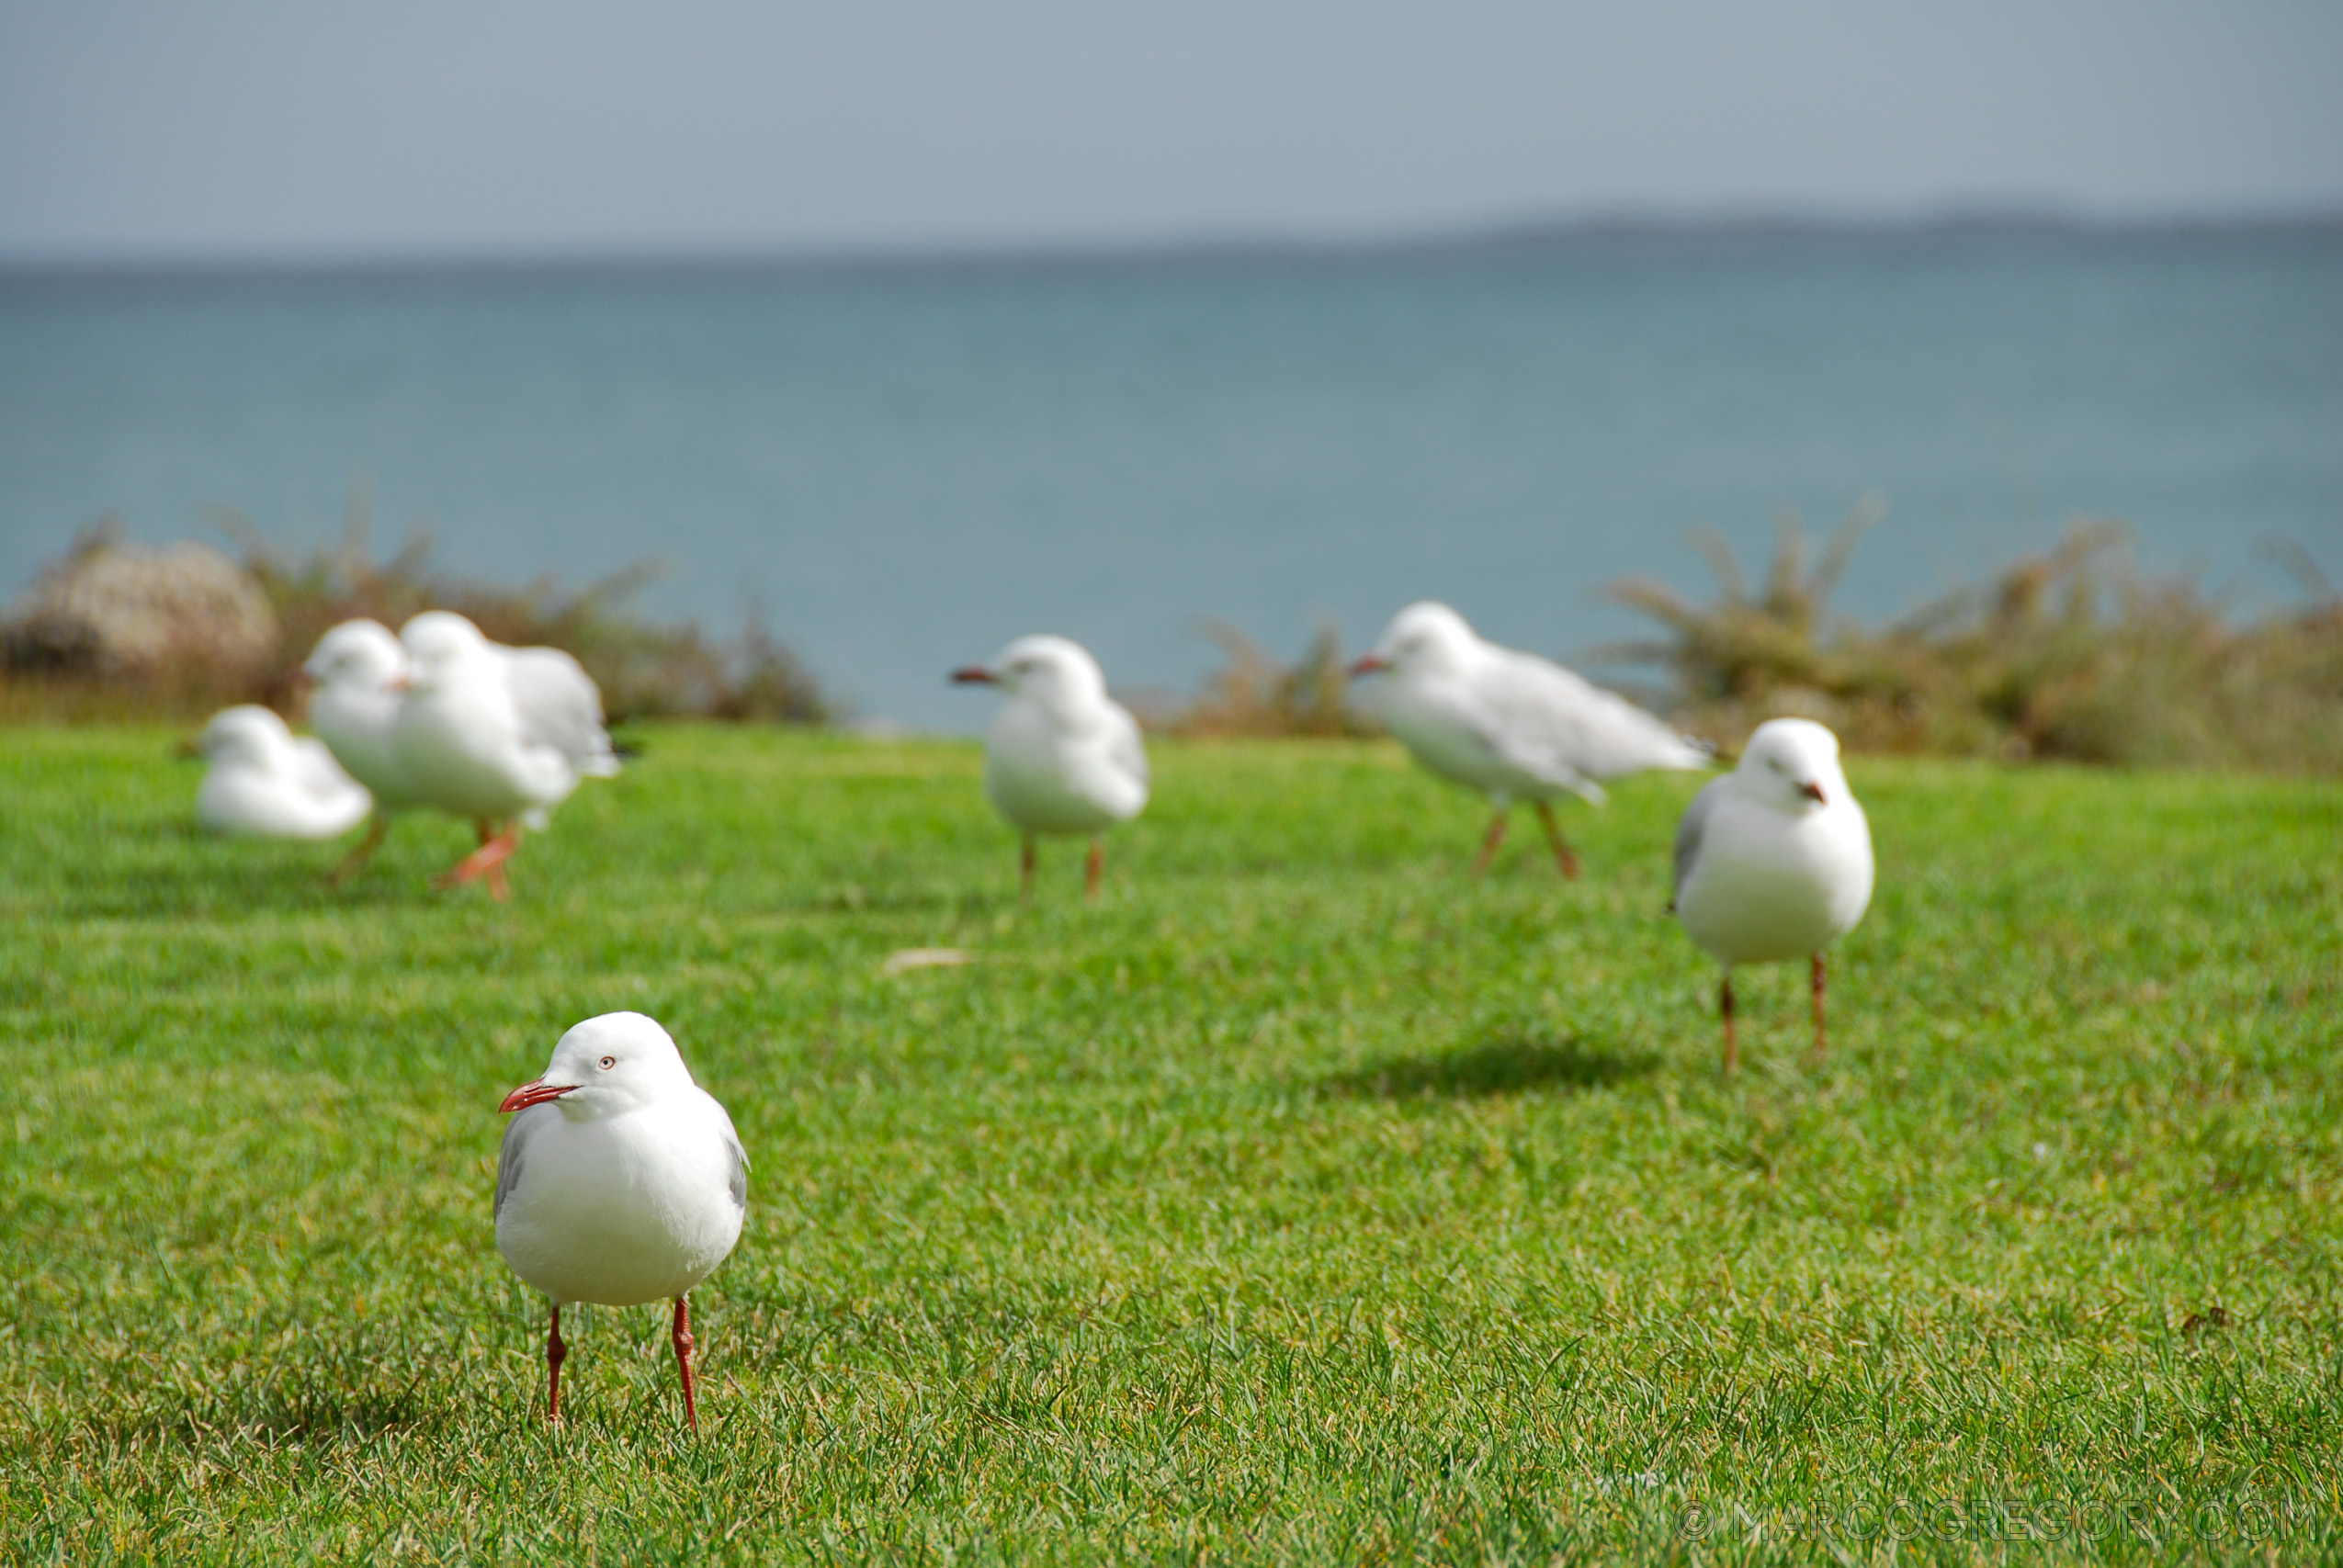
(499, 735)
(621, 1181)
(1060, 756)
(1510, 725)
(265, 782)
(359, 669)
(1773, 860)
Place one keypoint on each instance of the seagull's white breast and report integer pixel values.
(1047, 776)
(1769, 885)
(357, 721)
(621, 1210)
(461, 748)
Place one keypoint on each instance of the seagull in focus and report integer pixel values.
(1773, 860)
(499, 735)
(620, 1183)
(1510, 725)
(358, 675)
(1060, 756)
(265, 782)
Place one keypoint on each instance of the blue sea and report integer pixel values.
(906, 463)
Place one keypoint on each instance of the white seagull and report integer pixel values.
(266, 781)
(499, 735)
(1060, 756)
(621, 1181)
(1510, 725)
(1773, 860)
(359, 670)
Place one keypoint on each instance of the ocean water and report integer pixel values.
(907, 464)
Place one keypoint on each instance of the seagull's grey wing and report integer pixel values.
(1125, 748)
(525, 1125)
(560, 707)
(739, 1183)
(1557, 723)
(1522, 709)
(1687, 838)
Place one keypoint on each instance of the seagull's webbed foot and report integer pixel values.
(488, 861)
(555, 1353)
(1495, 836)
(682, 1337)
(1820, 1050)
(1563, 858)
(352, 862)
(1724, 1008)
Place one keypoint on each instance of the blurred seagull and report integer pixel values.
(499, 735)
(359, 669)
(1510, 725)
(265, 782)
(1773, 860)
(621, 1181)
(1060, 756)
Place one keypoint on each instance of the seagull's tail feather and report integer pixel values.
(1689, 753)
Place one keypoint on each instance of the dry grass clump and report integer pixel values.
(645, 669)
(1256, 694)
(109, 621)
(2077, 653)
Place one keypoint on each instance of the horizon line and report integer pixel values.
(1615, 224)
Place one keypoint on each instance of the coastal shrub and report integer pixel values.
(2077, 652)
(646, 670)
(1254, 693)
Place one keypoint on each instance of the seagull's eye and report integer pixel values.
(608, 1063)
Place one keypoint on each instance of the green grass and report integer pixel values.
(1303, 1199)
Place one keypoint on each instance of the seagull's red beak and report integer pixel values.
(399, 683)
(1813, 792)
(534, 1093)
(1369, 664)
(974, 675)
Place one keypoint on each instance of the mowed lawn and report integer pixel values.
(1302, 1199)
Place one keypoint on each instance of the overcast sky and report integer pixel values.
(276, 128)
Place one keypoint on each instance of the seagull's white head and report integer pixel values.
(1425, 638)
(606, 1067)
(360, 654)
(440, 644)
(1792, 764)
(1055, 671)
(247, 735)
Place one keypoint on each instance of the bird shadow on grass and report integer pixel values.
(299, 1417)
(1509, 1064)
(184, 891)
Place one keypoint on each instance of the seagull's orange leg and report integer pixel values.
(1818, 1048)
(1094, 868)
(357, 857)
(683, 1340)
(487, 861)
(1724, 1005)
(1024, 868)
(1563, 858)
(554, 1353)
(1497, 826)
